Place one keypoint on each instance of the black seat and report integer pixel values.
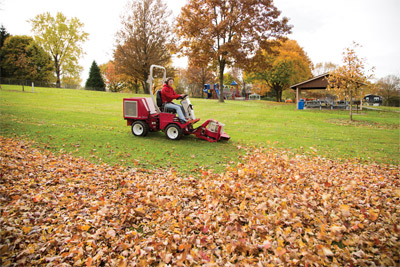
(160, 104)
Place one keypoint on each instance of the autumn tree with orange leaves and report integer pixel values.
(227, 32)
(143, 40)
(286, 63)
(349, 80)
(112, 79)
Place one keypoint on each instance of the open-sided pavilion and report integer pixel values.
(317, 83)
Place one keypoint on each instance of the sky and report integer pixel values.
(324, 28)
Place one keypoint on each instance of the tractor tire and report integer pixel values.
(140, 128)
(173, 132)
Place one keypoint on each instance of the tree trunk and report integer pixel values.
(145, 87)
(58, 83)
(351, 106)
(58, 73)
(221, 80)
(278, 92)
(244, 93)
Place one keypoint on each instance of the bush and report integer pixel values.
(268, 98)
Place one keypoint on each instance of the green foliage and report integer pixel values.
(288, 94)
(90, 124)
(228, 78)
(95, 80)
(3, 35)
(62, 38)
(23, 59)
(279, 76)
(284, 65)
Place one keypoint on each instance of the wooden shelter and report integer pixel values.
(316, 83)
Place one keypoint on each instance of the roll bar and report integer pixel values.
(150, 82)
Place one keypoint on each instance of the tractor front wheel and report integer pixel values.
(173, 132)
(140, 128)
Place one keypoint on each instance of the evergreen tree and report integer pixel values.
(3, 36)
(95, 81)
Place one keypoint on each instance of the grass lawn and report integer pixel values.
(90, 124)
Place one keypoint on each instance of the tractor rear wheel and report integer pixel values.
(173, 132)
(140, 128)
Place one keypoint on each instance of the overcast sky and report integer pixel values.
(324, 28)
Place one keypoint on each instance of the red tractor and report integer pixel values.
(144, 114)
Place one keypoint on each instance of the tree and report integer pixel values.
(322, 68)
(228, 31)
(258, 86)
(389, 88)
(23, 59)
(349, 79)
(279, 76)
(228, 78)
(62, 38)
(198, 76)
(112, 80)
(282, 66)
(95, 80)
(240, 77)
(143, 40)
(71, 81)
(3, 36)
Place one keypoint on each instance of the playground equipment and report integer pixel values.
(230, 92)
(145, 115)
(212, 93)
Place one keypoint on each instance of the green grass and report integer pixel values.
(90, 124)
(384, 108)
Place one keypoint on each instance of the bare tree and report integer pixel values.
(389, 86)
(143, 39)
(322, 68)
(198, 77)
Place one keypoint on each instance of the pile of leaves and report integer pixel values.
(272, 209)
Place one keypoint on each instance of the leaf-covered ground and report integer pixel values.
(275, 209)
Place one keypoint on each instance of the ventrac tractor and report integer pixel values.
(145, 114)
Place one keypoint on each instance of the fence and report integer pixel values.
(12, 81)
